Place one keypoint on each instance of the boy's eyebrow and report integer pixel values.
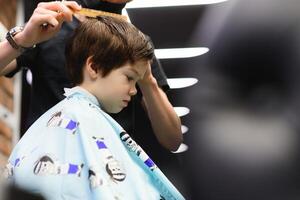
(136, 72)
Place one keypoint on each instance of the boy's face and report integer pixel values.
(117, 88)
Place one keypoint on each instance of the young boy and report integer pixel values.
(77, 151)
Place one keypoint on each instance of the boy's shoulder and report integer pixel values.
(65, 117)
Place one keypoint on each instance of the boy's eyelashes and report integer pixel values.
(129, 78)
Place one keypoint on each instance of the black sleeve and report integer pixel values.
(24, 61)
(160, 75)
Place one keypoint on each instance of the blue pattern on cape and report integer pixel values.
(77, 151)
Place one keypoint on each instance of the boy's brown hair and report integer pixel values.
(111, 42)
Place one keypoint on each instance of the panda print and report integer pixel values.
(46, 166)
(112, 166)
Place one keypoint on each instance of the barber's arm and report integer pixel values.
(51, 14)
(164, 120)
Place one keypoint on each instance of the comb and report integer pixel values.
(95, 13)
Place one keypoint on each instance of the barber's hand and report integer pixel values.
(148, 77)
(51, 14)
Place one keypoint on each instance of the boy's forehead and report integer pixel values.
(139, 67)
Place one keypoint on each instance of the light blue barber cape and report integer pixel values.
(77, 151)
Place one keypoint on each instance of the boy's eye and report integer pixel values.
(129, 78)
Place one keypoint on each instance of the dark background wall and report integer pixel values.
(243, 133)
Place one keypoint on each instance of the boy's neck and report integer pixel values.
(89, 88)
(86, 87)
(88, 93)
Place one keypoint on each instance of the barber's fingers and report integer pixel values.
(44, 16)
(73, 5)
(66, 8)
(57, 4)
(58, 7)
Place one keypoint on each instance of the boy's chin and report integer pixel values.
(113, 110)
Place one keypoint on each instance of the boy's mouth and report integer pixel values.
(126, 102)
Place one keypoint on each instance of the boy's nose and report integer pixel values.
(133, 91)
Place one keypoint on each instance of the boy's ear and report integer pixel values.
(91, 68)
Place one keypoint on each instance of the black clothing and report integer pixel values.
(102, 5)
(11, 192)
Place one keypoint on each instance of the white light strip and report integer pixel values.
(182, 148)
(184, 129)
(176, 83)
(164, 3)
(180, 52)
(125, 13)
(181, 111)
(29, 77)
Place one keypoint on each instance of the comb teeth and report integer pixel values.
(95, 13)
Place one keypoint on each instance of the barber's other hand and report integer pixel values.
(51, 13)
(148, 78)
